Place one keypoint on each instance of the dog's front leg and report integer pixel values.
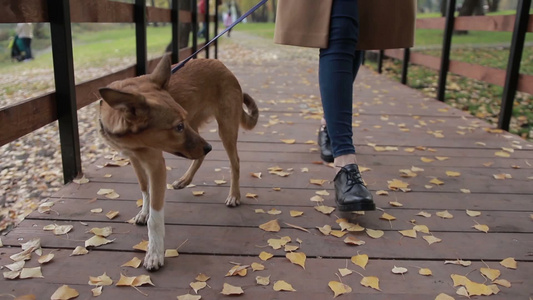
(156, 171)
(142, 217)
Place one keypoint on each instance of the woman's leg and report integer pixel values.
(338, 68)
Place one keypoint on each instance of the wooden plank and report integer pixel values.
(29, 11)
(525, 82)
(178, 213)
(430, 23)
(101, 11)
(482, 73)
(267, 196)
(486, 23)
(27, 116)
(227, 240)
(425, 60)
(174, 278)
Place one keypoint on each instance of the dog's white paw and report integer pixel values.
(181, 183)
(141, 218)
(233, 201)
(154, 260)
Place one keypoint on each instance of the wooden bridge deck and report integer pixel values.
(419, 132)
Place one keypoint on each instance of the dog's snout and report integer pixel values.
(207, 148)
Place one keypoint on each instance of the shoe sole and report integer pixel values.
(357, 207)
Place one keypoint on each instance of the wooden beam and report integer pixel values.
(30, 11)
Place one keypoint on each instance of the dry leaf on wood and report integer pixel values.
(482, 227)
(189, 297)
(134, 263)
(64, 293)
(271, 226)
(408, 233)
(431, 239)
(96, 241)
(351, 240)
(425, 272)
(325, 209)
(31, 273)
(102, 280)
(509, 263)
(464, 263)
(339, 288)
(265, 255)
(198, 285)
(103, 232)
(229, 289)
(473, 213)
(79, 250)
(376, 234)
(143, 246)
(281, 285)
(491, 274)
(371, 281)
(297, 258)
(443, 296)
(262, 280)
(399, 270)
(444, 214)
(46, 258)
(360, 260)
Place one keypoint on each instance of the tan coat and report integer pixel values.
(384, 24)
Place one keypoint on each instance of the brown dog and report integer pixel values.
(147, 115)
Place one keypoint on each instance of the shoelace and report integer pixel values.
(354, 177)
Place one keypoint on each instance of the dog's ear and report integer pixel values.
(133, 105)
(161, 73)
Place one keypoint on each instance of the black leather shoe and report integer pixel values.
(351, 193)
(325, 146)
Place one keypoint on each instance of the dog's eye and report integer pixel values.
(180, 127)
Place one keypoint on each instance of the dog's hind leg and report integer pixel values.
(186, 179)
(228, 134)
(142, 217)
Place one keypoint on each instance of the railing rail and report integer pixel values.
(510, 78)
(62, 104)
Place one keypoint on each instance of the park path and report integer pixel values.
(439, 176)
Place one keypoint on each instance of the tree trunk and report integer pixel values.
(443, 5)
(470, 8)
(493, 5)
(185, 29)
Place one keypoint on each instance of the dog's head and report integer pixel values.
(140, 113)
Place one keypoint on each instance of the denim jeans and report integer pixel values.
(338, 67)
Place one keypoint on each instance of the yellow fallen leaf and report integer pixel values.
(102, 280)
(421, 228)
(11, 274)
(189, 297)
(46, 258)
(339, 288)
(387, 217)
(502, 282)
(464, 263)
(220, 182)
(482, 227)
(376, 234)
(360, 260)
(424, 214)
(274, 211)
(473, 213)
(289, 141)
(297, 258)
(431, 239)
(240, 270)
(371, 281)
(459, 280)
(271, 226)
(338, 233)
(250, 195)
(103, 232)
(322, 193)
(171, 253)
(265, 255)
(441, 158)
(509, 263)
(444, 214)
(325, 209)
(96, 210)
(408, 233)
(281, 285)
(502, 176)
(198, 285)
(425, 272)
(142, 280)
(345, 272)
(262, 280)
(297, 227)
(112, 214)
(396, 184)
(125, 280)
(465, 191)
(79, 250)
(134, 263)
(82, 180)
(62, 229)
(256, 175)
(443, 296)
(399, 270)
(31, 273)
(478, 289)
(296, 213)
(257, 267)
(395, 204)
(436, 181)
(198, 193)
(382, 193)
(64, 292)
(317, 198)
(97, 291)
(462, 292)
(143, 246)
(426, 159)
(317, 181)
(491, 274)
(502, 154)
(453, 174)
(229, 289)
(96, 241)
(351, 240)
(326, 229)
(202, 277)
(16, 266)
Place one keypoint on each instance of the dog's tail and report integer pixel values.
(249, 118)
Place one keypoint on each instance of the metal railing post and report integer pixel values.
(380, 60)
(194, 21)
(140, 37)
(216, 28)
(175, 47)
(65, 95)
(446, 46)
(405, 64)
(513, 65)
(206, 23)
